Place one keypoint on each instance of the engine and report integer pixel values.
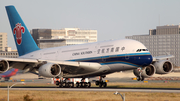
(146, 71)
(163, 66)
(49, 70)
(4, 66)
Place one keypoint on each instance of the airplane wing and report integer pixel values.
(32, 65)
(157, 58)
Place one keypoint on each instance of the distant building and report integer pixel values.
(46, 38)
(165, 30)
(152, 32)
(47, 43)
(3, 41)
(9, 53)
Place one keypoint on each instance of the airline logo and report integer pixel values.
(18, 30)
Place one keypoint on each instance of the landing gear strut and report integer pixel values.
(101, 83)
(140, 78)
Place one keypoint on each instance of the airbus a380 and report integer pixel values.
(81, 61)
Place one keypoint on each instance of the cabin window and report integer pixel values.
(98, 51)
(107, 50)
(117, 49)
(102, 50)
(112, 49)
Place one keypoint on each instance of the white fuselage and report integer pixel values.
(117, 54)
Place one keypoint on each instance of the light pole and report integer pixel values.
(12, 86)
(121, 95)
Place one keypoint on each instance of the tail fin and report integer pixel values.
(23, 39)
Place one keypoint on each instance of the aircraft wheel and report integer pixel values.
(85, 84)
(72, 86)
(67, 85)
(77, 84)
(142, 78)
(81, 84)
(97, 83)
(104, 84)
(138, 78)
(57, 83)
(89, 84)
(100, 84)
(60, 84)
(63, 84)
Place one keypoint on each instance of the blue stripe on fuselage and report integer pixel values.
(134, 59)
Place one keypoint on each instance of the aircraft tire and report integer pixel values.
(85, 84)
(72, 84)
(57, 83)
(77, 84)
(67, 85)
(89, 84)
(60, 85)
(138, 78)
(104, 84)
(142, 78)
(97, 83)
(100, 84)
(81, 84)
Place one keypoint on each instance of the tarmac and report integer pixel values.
(126, 76)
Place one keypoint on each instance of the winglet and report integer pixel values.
(23, 39)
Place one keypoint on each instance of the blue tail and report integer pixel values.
(23, 39)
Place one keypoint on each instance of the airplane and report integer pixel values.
(83, 60)
(6, 75)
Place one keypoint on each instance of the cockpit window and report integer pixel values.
(139, 50)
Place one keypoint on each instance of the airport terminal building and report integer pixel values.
(162, 44)
(46, 38)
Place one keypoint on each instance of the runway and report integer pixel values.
(164, 90)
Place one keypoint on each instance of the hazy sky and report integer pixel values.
(113, 19)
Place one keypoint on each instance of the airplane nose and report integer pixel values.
(149, 59)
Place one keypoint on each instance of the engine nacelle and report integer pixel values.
(49, 70)
(4, 66)
(163, 66)
(146, 71)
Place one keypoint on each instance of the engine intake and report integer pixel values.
(163, 67)
(146, 71)
(4, 66)
(50, 70)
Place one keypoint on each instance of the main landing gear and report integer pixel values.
(83, 84)
(66, 84)
(100, 83)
